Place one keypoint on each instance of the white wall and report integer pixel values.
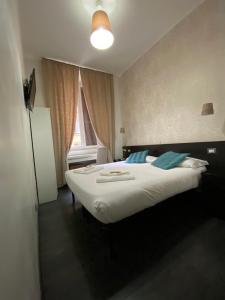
(19, 276)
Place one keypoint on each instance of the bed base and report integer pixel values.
(109, 229)
(73, 199)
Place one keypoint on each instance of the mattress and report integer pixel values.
(113, 201)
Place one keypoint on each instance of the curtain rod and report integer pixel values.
(80, 66)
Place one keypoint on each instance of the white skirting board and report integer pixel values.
(44, 154)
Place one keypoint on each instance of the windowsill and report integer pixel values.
(81, 158)
(85, 153)
(84, 148)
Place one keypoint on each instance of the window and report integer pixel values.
(84, 134)
(77, 136)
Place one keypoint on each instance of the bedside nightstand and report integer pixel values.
(213, 188)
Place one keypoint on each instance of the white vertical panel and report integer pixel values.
(44, 154)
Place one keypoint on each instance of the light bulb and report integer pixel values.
(102, 38)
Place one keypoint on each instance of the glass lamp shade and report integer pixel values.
(101, 39)
(101, 36)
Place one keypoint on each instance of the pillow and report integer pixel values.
(137, 157)
(150, 159)
(169, 160)
(193, 163)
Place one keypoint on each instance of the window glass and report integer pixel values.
(84, 134)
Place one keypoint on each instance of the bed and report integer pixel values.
(114, 201)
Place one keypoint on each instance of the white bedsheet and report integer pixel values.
(113, 201)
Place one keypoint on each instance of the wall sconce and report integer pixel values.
(122, 130)
(207, 109)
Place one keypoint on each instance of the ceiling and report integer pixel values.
(60, 29)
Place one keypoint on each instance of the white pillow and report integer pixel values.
(150, 159)
(194, 163)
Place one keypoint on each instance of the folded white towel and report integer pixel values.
(114, 172)
(87, 170)
(103, 179)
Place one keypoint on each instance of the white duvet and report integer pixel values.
(113, 201)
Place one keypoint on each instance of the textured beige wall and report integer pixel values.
(118, 119)
(163, 92)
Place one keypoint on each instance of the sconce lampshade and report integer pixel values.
(122, 130)
(207, 109)
(101, 36)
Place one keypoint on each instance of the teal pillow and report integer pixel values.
(169, 160)
(137, 157)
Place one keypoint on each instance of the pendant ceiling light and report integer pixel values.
(101, 36)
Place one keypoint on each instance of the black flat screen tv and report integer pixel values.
(29, 88)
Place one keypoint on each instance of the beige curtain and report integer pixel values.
(61, 86)
(99, 97)
(90, 136)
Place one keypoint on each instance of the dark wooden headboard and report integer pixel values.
(198, 150)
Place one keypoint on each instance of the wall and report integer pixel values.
(19, 276)
(163, 92)
(118, 119)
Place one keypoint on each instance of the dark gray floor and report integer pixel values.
(173, 251)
